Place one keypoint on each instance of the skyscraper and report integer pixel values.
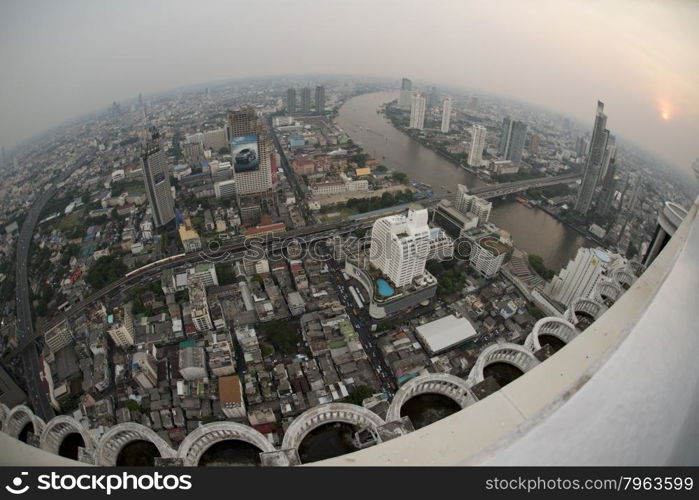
(400, 245)
(157, 180)
(595, 157)
(514, 134)
(475, 156)
(320, 99)
(446, 114)
(251, 151)
(417, 112)
(291, 101)
(606, 197)
(306, 100)
(534, 144)
(405, 93)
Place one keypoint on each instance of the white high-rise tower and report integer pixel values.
(446, 114)
(400, 245)
(475, 156)
(417, 112)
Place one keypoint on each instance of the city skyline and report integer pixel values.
(652, 92)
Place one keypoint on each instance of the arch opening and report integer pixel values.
(69, 447)
(553, 341)
(427, 408)
(24, 433)
(329, 440)
(502, 372)
(584, 320)
(138, 453)
(231, 452)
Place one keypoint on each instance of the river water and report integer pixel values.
(532, 230)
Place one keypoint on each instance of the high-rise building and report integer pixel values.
(251, 150)
(468, 203)
(406, 93)
(417, 112)
(320, 99)
(475, 156)
(487, 256)
(604, 201)
(306, 100)
(121, 328)
(432, 98)
(291, 101)
(400, 245)
(579, 277)
(514, 134)
(157, 180)
(593, 166)
(446, 114)
(199, 305)
(534, 144)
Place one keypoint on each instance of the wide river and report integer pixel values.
(532, 230)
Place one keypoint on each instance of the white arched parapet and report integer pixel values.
(114, 440)
(4, 411)
(513, 354)
(325, 414)
(445, 384)
(589, 307)
(624, 278)
(607, 292)
(196, 443)
(556, 327)
(636, 268)
(58, 428)
(18, 418)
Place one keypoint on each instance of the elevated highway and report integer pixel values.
(497, 190)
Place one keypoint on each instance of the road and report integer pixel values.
(362, 324)
(30, 356)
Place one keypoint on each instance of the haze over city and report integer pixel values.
(62, 59)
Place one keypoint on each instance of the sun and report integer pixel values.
(666, 115)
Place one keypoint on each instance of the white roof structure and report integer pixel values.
(445, 332)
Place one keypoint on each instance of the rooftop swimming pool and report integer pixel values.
(385, 290)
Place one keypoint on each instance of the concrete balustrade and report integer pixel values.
(512, 354)
(556, 327)
(197, 442)
(455, 388)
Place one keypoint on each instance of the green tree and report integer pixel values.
(359, 394)
(104, 271)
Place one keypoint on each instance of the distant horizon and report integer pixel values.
(685, 170)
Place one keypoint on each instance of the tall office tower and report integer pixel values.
(475, 156)
(306, 100)
(417, 112)
(581, 147)
(595, 157)
(670, 217)
(628, 202)
(432, 98)
(291, 101)
(400, 245)
(251, 151)
(579, 277)
(446, 114)
(468, 203)
(604, 202)
(514, 134)
(3, 157)
(157, 180)
(406, 94)
(320, 99)
(534, 144)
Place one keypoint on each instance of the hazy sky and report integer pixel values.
(63, 58)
